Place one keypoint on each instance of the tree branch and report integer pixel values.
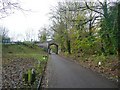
(93, 9)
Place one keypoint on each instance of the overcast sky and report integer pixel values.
(19, 23)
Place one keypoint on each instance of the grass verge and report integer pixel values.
(21, 59)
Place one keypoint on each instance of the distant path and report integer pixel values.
(62, 73)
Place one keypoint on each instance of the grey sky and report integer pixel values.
(19, 23)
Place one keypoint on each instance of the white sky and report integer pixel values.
(19, 23)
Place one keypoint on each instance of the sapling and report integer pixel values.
(33, 76)
(29, 76)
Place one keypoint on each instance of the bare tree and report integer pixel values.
(4, 32)
(28, 35)
(44, 34)
(8, 7)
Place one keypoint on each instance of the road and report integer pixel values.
(62, 73)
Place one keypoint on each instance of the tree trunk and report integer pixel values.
(118, 31)
(68, 47)
(119, 42)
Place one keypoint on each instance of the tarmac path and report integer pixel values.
(63, 73)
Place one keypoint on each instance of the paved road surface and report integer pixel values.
(62, 73)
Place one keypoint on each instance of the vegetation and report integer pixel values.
(22, 58)
(53, 49)
(43, 37)
(43, 34)
(87, 30)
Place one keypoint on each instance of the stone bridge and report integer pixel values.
(47, 45)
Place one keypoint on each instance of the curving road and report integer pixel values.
(62, 73)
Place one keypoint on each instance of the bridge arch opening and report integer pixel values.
(52, 47)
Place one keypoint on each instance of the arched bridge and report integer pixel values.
(47, 46)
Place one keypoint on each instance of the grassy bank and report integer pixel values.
(20, 59)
